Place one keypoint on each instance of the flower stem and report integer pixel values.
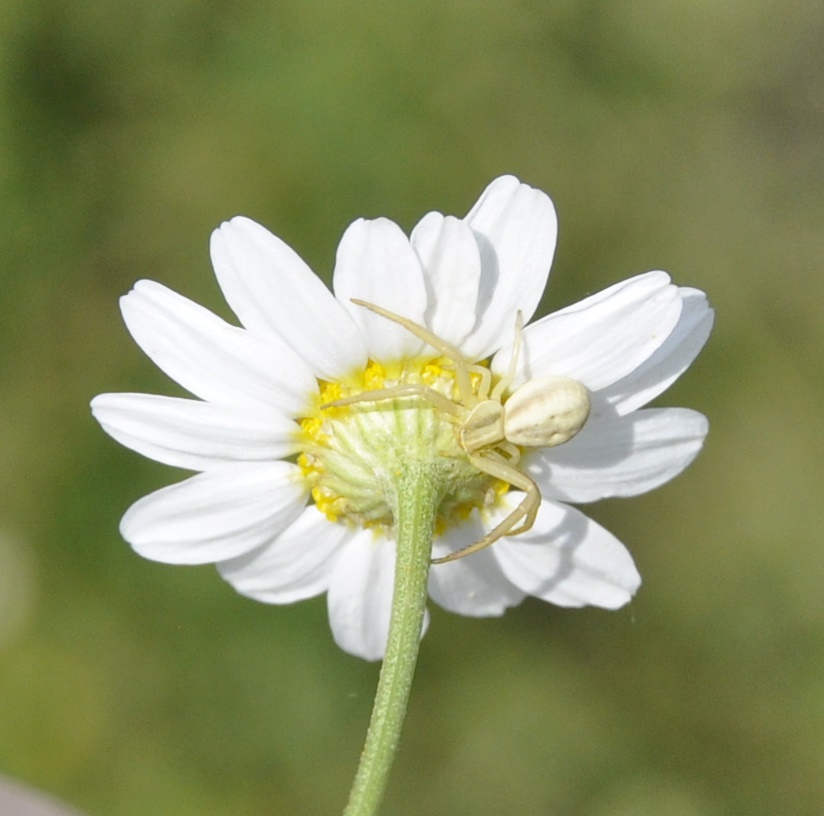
(417, 498)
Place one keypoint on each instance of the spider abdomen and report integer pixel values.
(546, 411)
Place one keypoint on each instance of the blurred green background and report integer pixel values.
(682, 136)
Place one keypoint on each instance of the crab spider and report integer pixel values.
(491, 430)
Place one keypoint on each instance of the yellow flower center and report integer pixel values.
(351, 454)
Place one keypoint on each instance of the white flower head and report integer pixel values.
(292, 495)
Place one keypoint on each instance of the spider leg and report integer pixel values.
(519, 520)
(403, 390)
(506, 381)
(510, 452)
(485, 383)
(447, 349)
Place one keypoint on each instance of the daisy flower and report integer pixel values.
(293, 494)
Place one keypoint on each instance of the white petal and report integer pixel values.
(569, 560)
(215, 515)
(451, 266)
(603, 338)
(376, 263)
(194, 435)
(671, 359)
(211, 359)
(620, 456)
(516, 229)
(296, 565)
(272, 291)
(360, 594)
(473, 585)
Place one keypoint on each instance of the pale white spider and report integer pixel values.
(490, 427)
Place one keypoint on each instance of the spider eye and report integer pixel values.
(546, 411)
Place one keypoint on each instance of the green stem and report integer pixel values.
(417, 499)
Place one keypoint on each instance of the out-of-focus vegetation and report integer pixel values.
(684, 136)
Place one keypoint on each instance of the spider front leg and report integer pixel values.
(519, 520)
(438, 343)
(404, 390)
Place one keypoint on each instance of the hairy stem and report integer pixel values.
(417, 498)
